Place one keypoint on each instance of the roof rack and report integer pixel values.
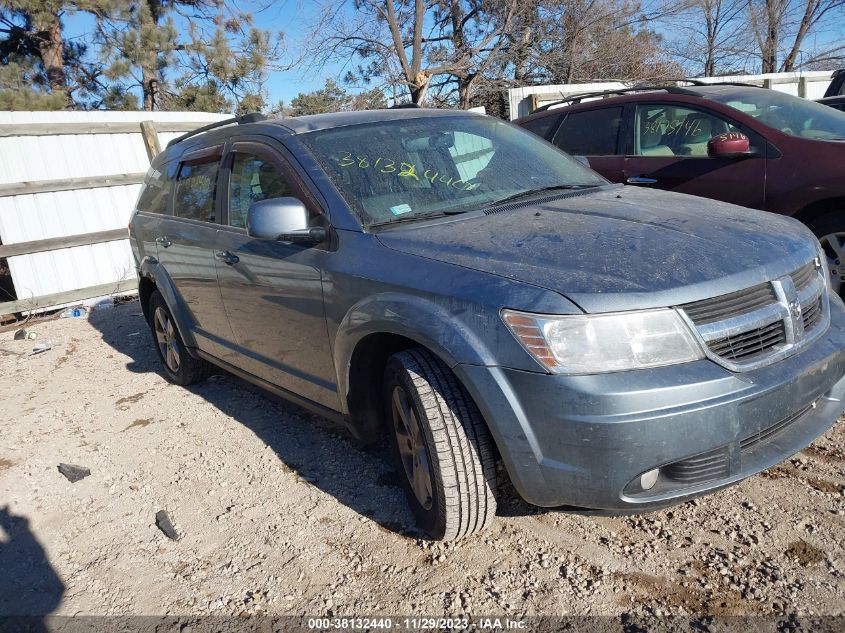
(577, 98)
(252, 117)
(399, 106)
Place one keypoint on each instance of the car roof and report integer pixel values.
(658, 93)
(251, 124)
(313, 122)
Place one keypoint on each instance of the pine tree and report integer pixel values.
(217, 63)
(33, 54)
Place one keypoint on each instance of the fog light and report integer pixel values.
(647, 480)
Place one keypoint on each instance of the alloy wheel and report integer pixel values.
(412, 450)
(168, 343)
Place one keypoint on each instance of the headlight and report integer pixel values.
(592, 344)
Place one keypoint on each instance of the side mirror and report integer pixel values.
(729, 145)
(283, 219)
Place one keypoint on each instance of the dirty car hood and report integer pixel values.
(618, 248)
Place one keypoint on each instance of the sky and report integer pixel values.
(292, 17)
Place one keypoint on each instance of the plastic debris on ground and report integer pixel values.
(46, 346)
(74, 312)
(99, 303)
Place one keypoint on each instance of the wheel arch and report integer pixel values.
(152, 277)
(375, 330)
(820, 208)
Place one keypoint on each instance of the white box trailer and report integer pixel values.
(808, 84)
(68, 182)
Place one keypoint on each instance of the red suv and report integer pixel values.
(741, 144)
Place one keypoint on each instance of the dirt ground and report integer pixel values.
(279, 513)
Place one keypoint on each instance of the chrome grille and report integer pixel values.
(718, 308)
(753, 327)
(804, 275)
(813, 315)
(745, 346)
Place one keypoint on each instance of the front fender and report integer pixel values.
(450, 332)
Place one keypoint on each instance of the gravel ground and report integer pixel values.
(279, 513)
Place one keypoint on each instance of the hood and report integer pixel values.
(618, 248)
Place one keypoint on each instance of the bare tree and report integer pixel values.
(411, 42)
(781, 27)
(713, 36)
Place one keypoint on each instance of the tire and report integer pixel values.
(452, 445)
(830, 229)
(186, 370)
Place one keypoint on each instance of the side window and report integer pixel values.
(541, 125)
(195, 190)
(669, 130)
(155, 195)
(253, 178)
(590, 132)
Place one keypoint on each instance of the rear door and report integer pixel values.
(272, 290)
(185, 248)
(595, 134)
(670, 152)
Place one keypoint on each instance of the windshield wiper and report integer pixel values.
(417, 216)
(531, 192)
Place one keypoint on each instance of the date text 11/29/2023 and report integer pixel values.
(417, 624)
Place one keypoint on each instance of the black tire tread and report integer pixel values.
(463, 450)
(191, 370)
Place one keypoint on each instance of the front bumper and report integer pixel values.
(585, 440)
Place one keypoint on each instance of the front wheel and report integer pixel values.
(830, 229)
(441, 446)
(179, 366)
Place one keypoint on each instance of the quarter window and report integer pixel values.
(253, 179)
(155, 196)
(590, 132)
(195, 191)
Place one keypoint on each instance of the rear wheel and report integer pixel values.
(441, 446)
(830, 229)
(179, 367)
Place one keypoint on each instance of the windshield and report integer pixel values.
(428, 166)
(791, 115)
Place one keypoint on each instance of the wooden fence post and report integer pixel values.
(150, 136)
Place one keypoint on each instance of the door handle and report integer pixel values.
(641, 180)
(227, 257)
(163, 241)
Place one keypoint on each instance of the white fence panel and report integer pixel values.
(810, 85)
(29, 157)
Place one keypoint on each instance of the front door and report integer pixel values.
(185, 248)
(273, 290)
(670, 152)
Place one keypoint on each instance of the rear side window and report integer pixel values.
(541, 126)
(155, 196)
(590, 132)
(196, 187)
